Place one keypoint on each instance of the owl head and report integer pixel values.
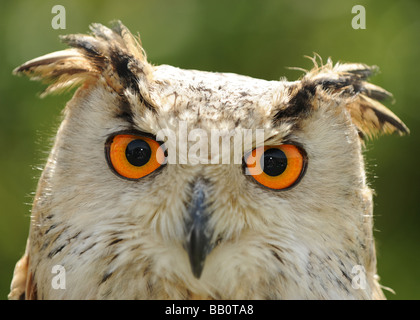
(172, 183)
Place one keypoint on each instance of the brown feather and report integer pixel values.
(346, 83)
(114, 54)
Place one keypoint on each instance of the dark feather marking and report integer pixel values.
(30, 66)
(56, 250)
(377, 95)
(364, 73)
(86, 43)
(114, 242)
(361, 134)
(120, 62)
(68, 240)
(125, 111)
(345, 275)
(147, 104)
(353, 86)
(277, 256)
(75, 236)
(338, 84)
(276, 247)
(106, 277)
(89, 46)
(94, 244)
(63, 232)
(341, 285)
(45, 245)
(50, 228)
(299, 104)
(118, 59)
(135, 247)
(113, 258)
(383, 118)
(57, 73)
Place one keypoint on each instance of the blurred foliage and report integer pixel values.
(255, 38)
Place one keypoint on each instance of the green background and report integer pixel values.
(255, 38)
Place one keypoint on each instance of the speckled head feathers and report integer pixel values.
(117, 57)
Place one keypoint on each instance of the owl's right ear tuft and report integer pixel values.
(113, 54)
(62, 69)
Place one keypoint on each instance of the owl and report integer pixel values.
(165, 183)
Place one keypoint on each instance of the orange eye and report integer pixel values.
(134, 156)
(276, 167)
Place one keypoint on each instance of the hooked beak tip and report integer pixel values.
(197, 269)
(199, 233)
(198, 247)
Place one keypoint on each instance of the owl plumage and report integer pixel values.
(201, 231)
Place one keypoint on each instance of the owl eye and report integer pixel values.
(134, 156)
(276, 167)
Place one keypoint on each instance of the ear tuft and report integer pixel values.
(348, 83)
(62, 69)
(372, 118)
(114, 54)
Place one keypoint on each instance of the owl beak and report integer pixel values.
(198, 236)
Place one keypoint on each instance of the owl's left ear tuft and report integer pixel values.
(348, 83)
(372, 118)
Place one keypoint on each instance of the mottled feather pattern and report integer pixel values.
(127, 239)
(348, 82)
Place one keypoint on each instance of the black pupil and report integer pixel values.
(138, 152)
(273, 162)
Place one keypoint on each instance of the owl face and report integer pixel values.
(171, 183)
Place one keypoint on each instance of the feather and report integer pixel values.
(347, 84)
(114, 54)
